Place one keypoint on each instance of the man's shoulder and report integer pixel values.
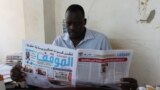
(59, 39)
(97, 34)
(61, 36)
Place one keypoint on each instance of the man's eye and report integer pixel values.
(73, 23)
(68, 23)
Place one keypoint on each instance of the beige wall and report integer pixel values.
(49, 20)
(119, 20)
(39, 17)
(25, 20)
(12, 29)
(34, 20)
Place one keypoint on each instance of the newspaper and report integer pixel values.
(68, 67)
(103, 67)
(44, 62)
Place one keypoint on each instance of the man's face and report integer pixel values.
(75, 23)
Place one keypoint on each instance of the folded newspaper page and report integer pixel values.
(51, 66)
(103, 67)
(44, 63)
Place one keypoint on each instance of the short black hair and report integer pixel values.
(75, 8)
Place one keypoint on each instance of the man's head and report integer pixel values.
(75, 21)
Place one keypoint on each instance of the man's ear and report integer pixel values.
(85, 21)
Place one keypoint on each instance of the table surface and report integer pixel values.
(67, 89)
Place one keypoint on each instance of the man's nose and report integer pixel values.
(72, 27)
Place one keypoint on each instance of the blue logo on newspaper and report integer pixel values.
(56, 61)
(123, 54)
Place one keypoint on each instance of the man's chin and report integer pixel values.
(73, 36)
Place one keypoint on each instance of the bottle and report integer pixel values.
(2, 85)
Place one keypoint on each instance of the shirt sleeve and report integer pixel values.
(55, 42)
(106, 45)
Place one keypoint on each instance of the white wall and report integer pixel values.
(39, 17)
(118, 19)
(49, 20)
(34, 20)
(25, 19)
(11, 27)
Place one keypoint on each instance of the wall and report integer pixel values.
(11, 27)
(39, 20)
(34, 20)
(122, 22)
(49, 20)
(25, 20)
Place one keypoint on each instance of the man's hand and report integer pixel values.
(17, 73)
(128, 84)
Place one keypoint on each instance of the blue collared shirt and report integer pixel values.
(92, 40)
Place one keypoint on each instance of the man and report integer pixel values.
(80, 37)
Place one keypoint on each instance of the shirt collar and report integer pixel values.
(88, 35)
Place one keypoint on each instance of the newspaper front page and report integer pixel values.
(44, 63)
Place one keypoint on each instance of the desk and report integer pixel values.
(77, 88)
(85, 88)
(71, 88)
